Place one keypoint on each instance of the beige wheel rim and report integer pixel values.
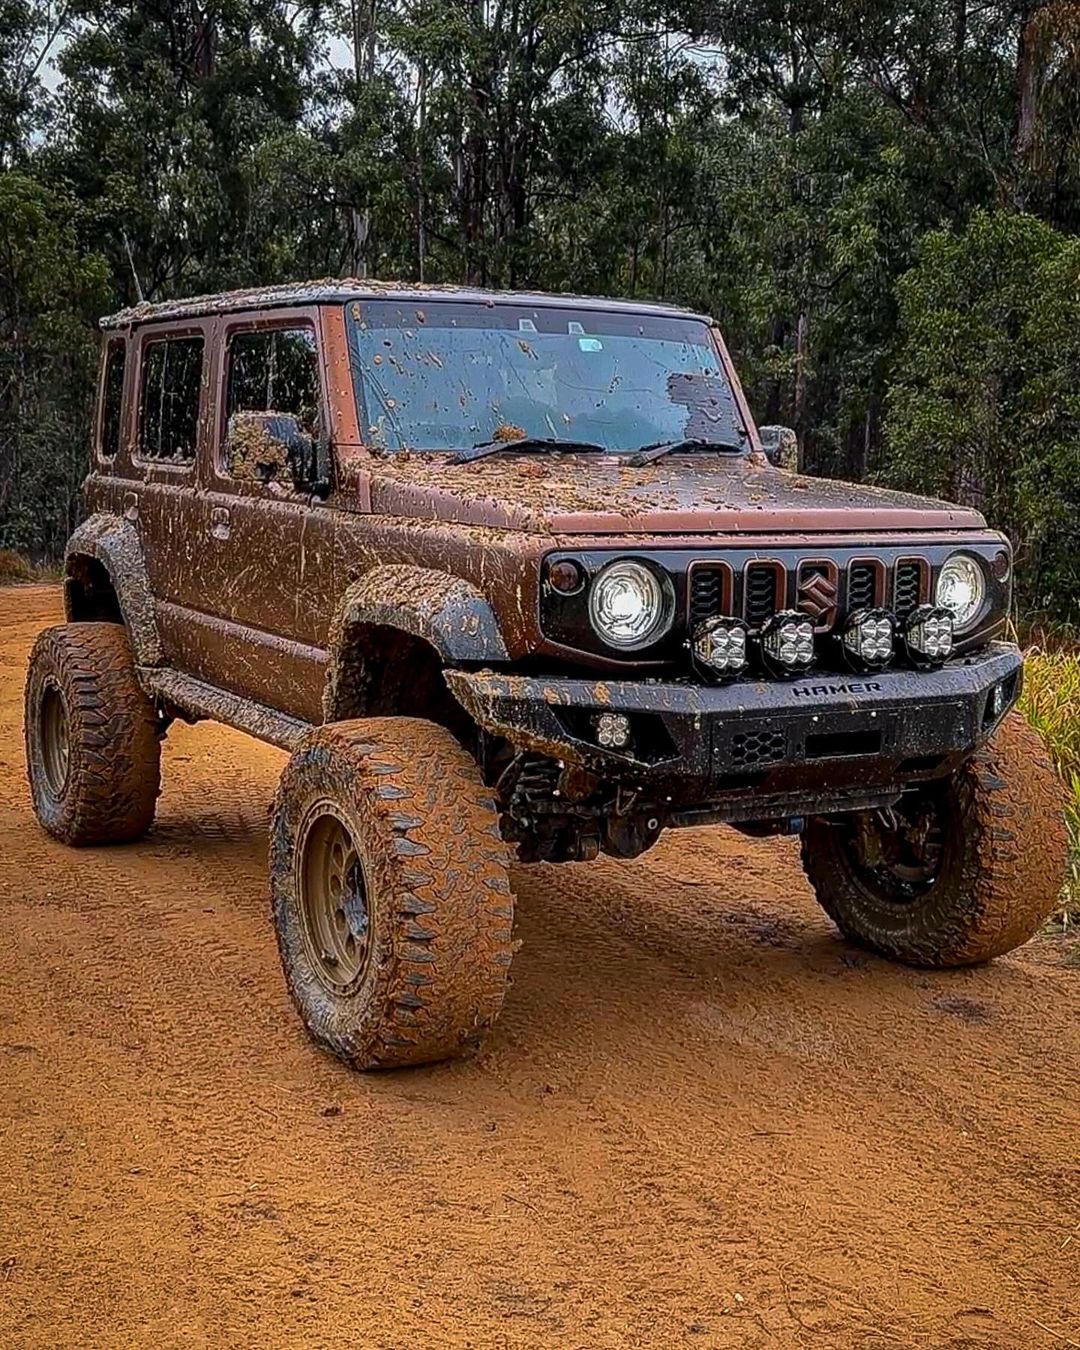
(55, 739)
(333, 895)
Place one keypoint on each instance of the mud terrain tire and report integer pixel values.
(93, 751)
(383, 832)
(1002, 864)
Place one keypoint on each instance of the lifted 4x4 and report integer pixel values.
(512, 574)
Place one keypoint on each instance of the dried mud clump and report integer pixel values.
(253, 453)
(506, 431)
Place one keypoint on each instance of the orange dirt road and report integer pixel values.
(703, 1120)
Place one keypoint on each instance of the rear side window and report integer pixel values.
(275, 371)
(112, 397)
(169, 399)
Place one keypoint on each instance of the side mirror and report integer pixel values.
(263, 446)
(781, 447)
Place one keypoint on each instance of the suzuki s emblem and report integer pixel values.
(817, 597)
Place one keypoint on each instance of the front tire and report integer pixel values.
(958, 872)
(93, 749)
(390, 892)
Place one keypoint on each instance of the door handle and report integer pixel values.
(219, 522)
(131, 506)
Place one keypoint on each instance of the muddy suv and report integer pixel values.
(512, 577)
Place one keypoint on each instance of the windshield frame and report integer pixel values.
(657, 324)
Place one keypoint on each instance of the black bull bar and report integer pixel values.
(698, 742)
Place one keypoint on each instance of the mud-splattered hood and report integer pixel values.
(686, 494)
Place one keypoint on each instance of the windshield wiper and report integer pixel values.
(645, 454)
(484, 448)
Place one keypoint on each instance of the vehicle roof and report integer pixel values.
(331, 290)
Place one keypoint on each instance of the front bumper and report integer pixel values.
(819, 730)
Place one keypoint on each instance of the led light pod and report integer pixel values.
(868, 639)
(613, 731)
(718, 646)
(928, 635)
(787, 643)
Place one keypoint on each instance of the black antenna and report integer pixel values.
(131, 260)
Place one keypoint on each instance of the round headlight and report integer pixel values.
(630, 605)
(961, 589)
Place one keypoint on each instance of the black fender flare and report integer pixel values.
(449, 613)
(115, 544)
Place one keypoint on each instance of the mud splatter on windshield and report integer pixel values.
(467, 371)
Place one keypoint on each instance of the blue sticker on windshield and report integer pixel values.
(590, 344)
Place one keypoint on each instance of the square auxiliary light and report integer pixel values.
(787, 642)
(868, 639)
(928, 635)
(613, 731)
(719, 647)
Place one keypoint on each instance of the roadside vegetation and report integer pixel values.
(1052, 703)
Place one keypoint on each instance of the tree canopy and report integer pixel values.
(878, 202)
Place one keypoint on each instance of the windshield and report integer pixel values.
(443, 375)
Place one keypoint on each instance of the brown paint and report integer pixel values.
(247, 577)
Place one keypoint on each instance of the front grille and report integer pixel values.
(761, 600)
(908, 592)
(861, 586)
(827, 591)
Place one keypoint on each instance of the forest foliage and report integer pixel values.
(878, 202)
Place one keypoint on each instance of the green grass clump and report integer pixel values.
(13, 567)
(1051, 701)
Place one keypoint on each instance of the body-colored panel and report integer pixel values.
(247, 576)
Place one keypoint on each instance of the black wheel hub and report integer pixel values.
(899, 849)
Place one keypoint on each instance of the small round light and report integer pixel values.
(631, 605)
(1002, 565)
(613, 731)
(565, 576)
(719, 646)
(961, 589)
(928, 635)
(867, 639)
(787, 642)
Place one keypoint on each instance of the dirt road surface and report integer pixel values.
(702, 1121)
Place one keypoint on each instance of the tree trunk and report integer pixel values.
(1027, 92)
(421, 206)
(802, 327)
(362, 16)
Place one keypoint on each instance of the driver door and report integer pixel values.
(268, 573)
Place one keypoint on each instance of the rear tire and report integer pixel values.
(995, 849)
(93, 750)
(390, 892)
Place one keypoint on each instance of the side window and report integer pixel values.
(275, 371)
(273, 376)
(112, 397)
(169, 399)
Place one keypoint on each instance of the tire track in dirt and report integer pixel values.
(702, 1120)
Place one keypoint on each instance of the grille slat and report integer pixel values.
(862, 585)
(908, 588)
(706, 594)
(760, 593)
